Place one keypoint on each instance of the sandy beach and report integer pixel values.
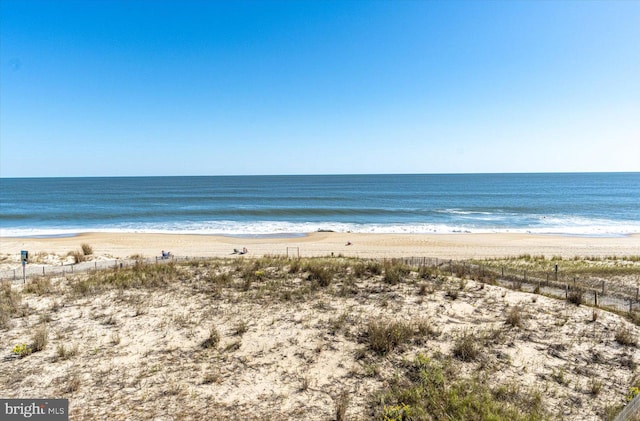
(445, 246)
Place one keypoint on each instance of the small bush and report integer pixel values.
(64, 353)
(424, 327)
(514, 317)
(384, 336)
(87, 250)
(10, 304)
(40, 338)
(39, 286)
(452, 293)
(624, 336)
(78, 256)
(466, 347)
(394, 273)
(73, 383)
(576, 296)
(595, 386)
(319, 273)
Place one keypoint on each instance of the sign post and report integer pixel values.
(24, 254)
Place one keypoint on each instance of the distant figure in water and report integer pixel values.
(348, 243)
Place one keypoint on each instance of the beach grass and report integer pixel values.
(335, 337)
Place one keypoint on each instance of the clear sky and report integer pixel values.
(93, 88)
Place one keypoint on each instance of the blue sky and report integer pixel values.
(108, 88)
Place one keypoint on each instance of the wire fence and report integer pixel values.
(33, 270)
(630, 411)
(594, 291)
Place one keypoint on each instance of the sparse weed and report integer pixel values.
(342, 403)
(515, 317)
(595, 386)
(624, 336)
(10, 304)
(213, 339)
(40, 338)
(38, 286)
(64, 353)
(241, 328)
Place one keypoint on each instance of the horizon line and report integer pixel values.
(321, 174)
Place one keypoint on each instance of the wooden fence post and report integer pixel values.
(595, 298)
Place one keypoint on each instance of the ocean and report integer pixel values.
(593, 204)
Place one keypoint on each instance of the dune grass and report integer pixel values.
(392, 348)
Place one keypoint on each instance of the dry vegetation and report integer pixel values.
(620, 273)
(323, 338)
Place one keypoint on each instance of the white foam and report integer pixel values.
(549, 225)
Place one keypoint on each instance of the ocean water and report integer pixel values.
(595, 204)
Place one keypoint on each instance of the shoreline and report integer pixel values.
(286, 235)
(448, 246)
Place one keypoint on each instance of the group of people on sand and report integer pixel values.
(168, 255)
(243, 251)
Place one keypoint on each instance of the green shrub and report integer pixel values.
(466, 347)
(394, 273)
(384, 336)
(430, 390)
(38, 286)
(10, 304)
(319, 273)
